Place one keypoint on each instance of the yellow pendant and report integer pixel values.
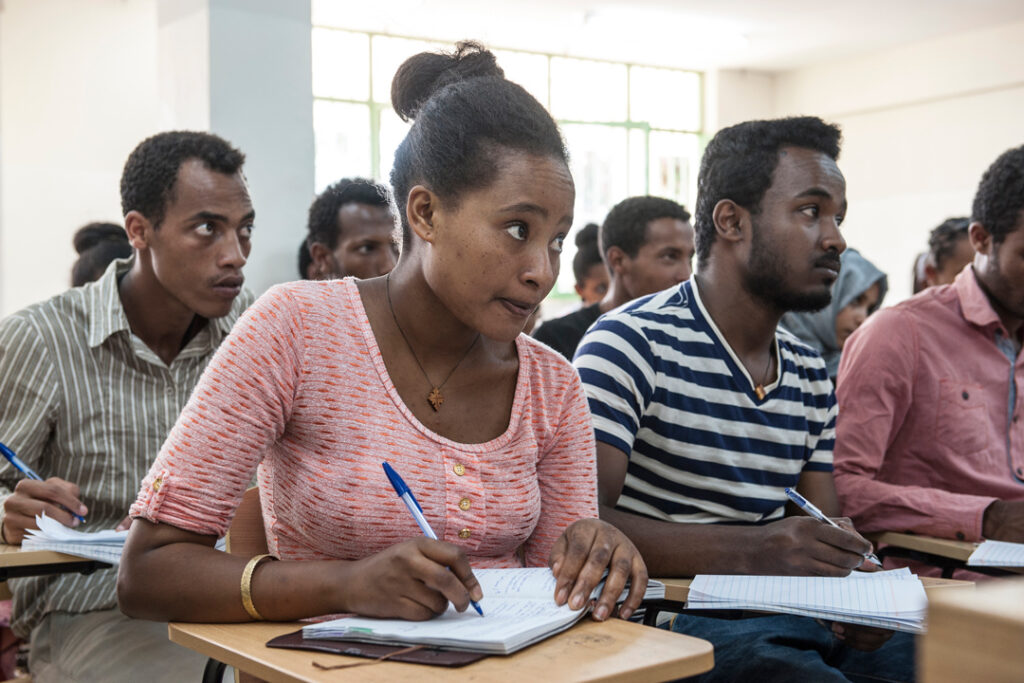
(436, 398)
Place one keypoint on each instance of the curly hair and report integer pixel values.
(147, 182)
(625, 226)
(1000, 196)
(739, 162)
(323, 212)
(943, 239)
(465, 116)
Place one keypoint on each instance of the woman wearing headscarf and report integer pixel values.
(857, 293)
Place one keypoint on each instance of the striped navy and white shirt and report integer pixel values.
(84, 399)
(665, 387)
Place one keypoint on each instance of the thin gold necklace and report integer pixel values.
(759, 390)
(435, 398)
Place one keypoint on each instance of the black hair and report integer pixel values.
(943, 239)
(464, 112)
(305, 259)
(97, 244)
(323, 212)
(1000, 196)
(147, 182)
(739, 162)
(588, 253)
(625, 226)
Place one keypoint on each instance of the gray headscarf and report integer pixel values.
(818, 329)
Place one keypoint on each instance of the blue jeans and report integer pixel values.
(791, 649)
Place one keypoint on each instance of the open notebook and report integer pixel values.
(105, 545)
(997, 554)
(890, 599)
(519, 610)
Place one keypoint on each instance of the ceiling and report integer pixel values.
(773, 35)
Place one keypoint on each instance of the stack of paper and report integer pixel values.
(105, 546)
(891, 599)
(519, 610)
(997, 554)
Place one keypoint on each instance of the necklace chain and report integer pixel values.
(435, 397)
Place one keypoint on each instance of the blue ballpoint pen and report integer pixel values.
(813, 511)
(17, 463)
(416, 511)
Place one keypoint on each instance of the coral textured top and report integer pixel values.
(299, 394)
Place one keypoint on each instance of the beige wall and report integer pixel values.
(921, 124)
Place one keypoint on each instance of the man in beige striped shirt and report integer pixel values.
(92, 380)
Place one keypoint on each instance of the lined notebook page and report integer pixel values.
(892, 599)
(997, 554)
(105, 545)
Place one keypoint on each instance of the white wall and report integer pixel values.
(921, 124)
(77, 91)
(81, 83)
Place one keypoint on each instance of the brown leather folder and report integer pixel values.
(295, 641)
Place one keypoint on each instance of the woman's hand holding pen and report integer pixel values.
(410, 580)
(579, 559)
(55, 497)
(803, 546)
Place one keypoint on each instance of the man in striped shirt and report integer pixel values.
(92, 381)
(705, 412)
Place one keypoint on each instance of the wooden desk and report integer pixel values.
(15, 562)
(941, 552)
(614, 650)
(975, 636)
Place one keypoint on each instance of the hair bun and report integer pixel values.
(89, 236)
(587, 235)
(422, 75)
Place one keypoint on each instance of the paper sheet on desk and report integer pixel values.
(997, 554)
(891, 599)
(105, 545)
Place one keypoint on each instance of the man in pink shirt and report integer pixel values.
(930, 438)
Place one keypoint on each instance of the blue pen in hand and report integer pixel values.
(17, 463)
(811, 510)
(416, 511)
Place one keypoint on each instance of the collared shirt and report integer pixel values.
(86, 400)
(665, 387)
(929, 431)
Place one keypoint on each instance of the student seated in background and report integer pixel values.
(856, 294)
(306, 269)
(588, 267)
(425, 368)
(705, 411)
(931, 438)
(93, 379)
(949, 251)
(97, 244)
(647, 244)
(352, 231)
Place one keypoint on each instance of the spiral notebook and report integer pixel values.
(888, 599)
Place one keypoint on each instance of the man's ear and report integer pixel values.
(730, 220)
(615, 259)
(323, 260)
(980, 238)
(139, 230)
(931, 274)
(420, 210)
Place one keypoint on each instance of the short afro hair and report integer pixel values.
(147, 182)
(625, 226)
(323, 212)
(943, 239)
(1000, 197)
(739, 162)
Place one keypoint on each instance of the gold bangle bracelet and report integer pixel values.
(247, 584)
